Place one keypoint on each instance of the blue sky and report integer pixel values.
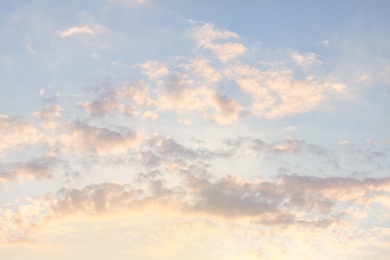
(261, 125)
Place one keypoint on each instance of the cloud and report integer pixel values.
(137, 92)
(290, 146)
(87, 29)
(277, 93)
(154, 69)
(37, 169)
(48, 115)
(306, 60)
(179, 95)
(84, 138)
(208, 38)
(107, 106)
(150, 115)
(16, 134)
(194, 85)
(294, 201)
(201, 68)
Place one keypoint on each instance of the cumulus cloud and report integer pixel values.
(292, 201)
(48, 115)
(208, 37)
(195, 85)
(17, 134)
(180, 95)
(136, 92)
(306, 60)
(37, 169)
(202, 68)
(83, 138)
(277, 93)
(154, 69)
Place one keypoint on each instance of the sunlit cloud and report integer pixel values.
(207, 37)
(203, 139)
(87, 29)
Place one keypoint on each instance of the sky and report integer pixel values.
(162, 129)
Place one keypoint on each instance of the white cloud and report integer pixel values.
(137, 92)
(276, 93)
(16, 134)
(201, 68)
(154, 69)
(209, 38)
(180, 97)
(306, 60)
(87, 29)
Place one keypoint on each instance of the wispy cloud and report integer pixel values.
(87, 29)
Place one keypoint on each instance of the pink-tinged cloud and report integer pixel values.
(83, 138)
(290, 201)
(87, 29)
(276, 93)
(16, 134)
(208, 37)
(37, 169)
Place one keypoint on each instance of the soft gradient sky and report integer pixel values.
(163, 129)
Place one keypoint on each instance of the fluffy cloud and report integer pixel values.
(306, 60)
(154, 69)
(136, 92)
(15, 133)
(295, 201)
(83, 138)
(179, 95)
(48, 115)
(38, 169)
(208, 37)
(202, 68)
(195, 85)
(277, 93)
